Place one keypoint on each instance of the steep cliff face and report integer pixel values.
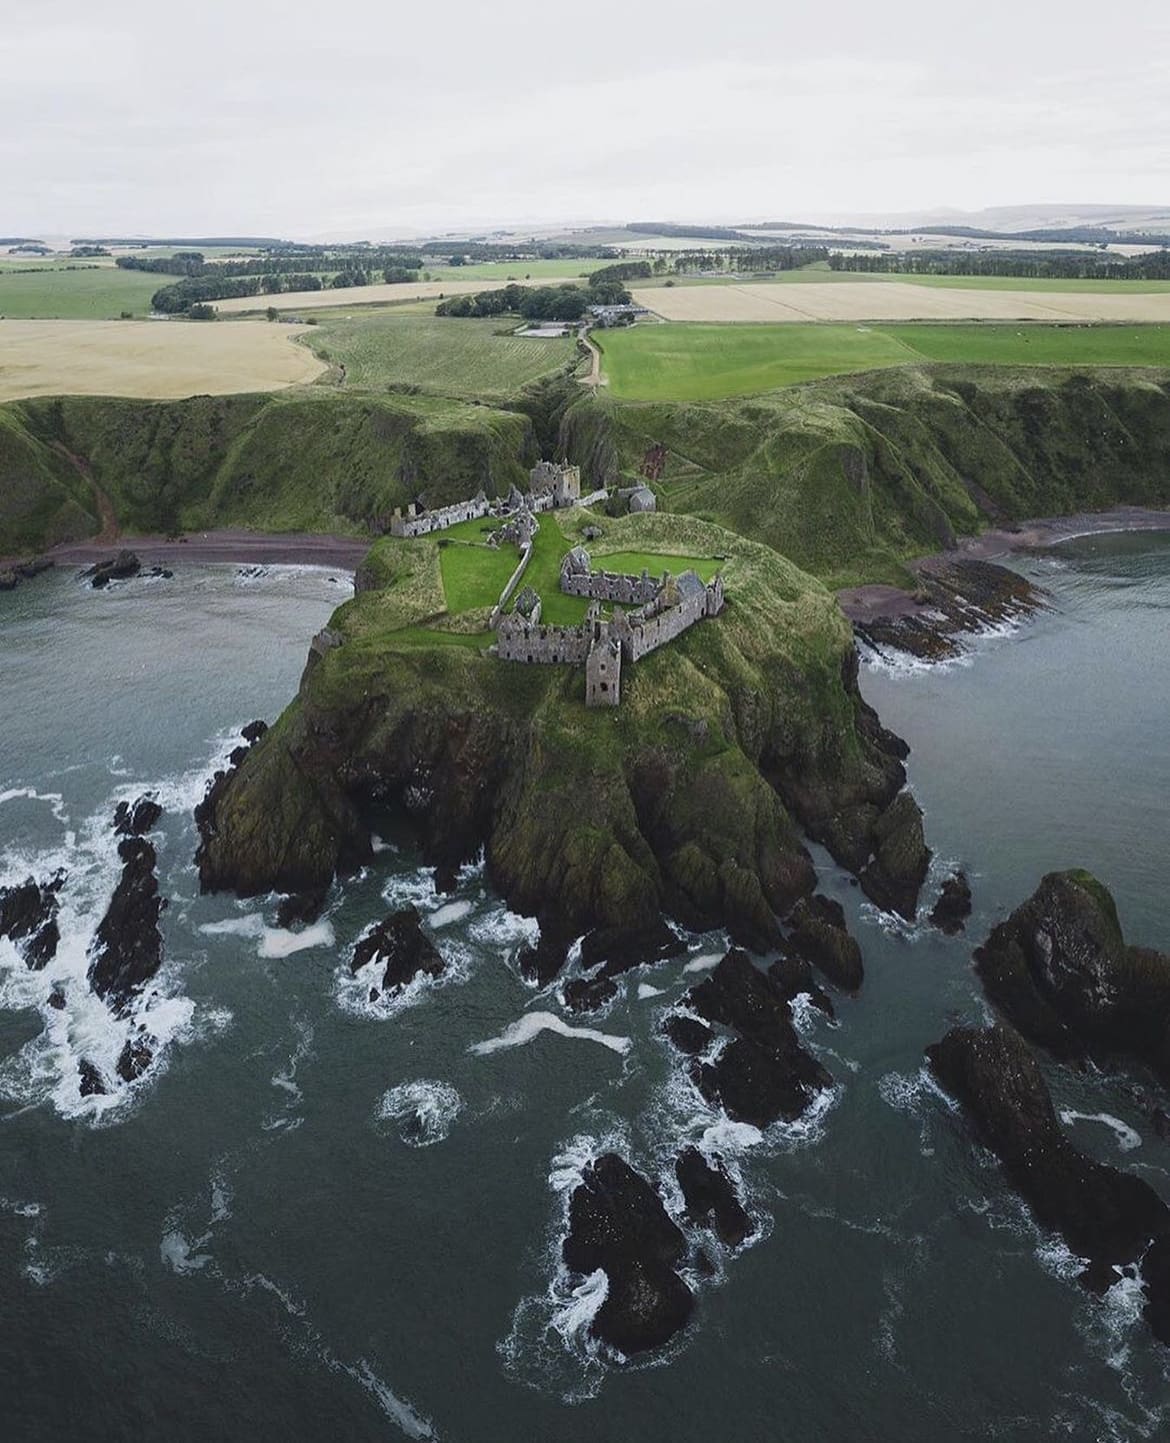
(850, 477)
(689, 799)
(310, 461)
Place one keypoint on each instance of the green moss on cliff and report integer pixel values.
(851, 478)
(677, 799)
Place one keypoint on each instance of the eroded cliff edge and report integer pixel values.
(693, 799)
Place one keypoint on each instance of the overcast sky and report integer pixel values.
(369, 118)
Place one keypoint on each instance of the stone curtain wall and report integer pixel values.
(612, 586)
(527, 641)
(643, 634)
(439, 520)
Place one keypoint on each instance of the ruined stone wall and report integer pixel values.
(648, 632)
(439, 520)
(612, 586)
(536, 643)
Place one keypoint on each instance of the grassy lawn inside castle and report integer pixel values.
(474, 574)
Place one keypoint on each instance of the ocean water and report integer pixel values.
(319, 1219)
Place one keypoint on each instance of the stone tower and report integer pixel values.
(603, 672)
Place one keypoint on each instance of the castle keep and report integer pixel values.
(669, 606)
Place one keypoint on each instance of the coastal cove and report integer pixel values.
(264, 1202)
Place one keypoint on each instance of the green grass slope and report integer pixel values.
(850, 478)
(98, 294)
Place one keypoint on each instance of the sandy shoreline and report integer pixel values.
(247, 548)
(873, 603)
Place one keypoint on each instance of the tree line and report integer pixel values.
(1032, 265)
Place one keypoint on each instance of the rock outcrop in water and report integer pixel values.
(135, 819)
(762, 1073)
(28, 918)
(617, 1223)
(114, 568)
(711, 1198)
(949, 914)
(1106, 1216)
(127, 947)
(402, 946)
(1060, 970)
(820, 936)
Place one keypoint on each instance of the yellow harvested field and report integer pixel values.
(368, 295)
(156, 359)
(895, 301)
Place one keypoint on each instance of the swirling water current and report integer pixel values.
(319, 1219)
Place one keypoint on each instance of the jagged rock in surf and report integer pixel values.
(135, 819)
(617, 1223)
(127, 948)
(114, 568)
(763, 1074)
(820, 936)
(1060, 970)
(400, 943)
(136, 1056)
(301, 908)
(688, 1034)
(541, 963)
(607, 952)
(254, 731)
(92, 1083)
(953, 907)
(1106, 1216)
(794, 977)
(894, 878)
(711, 1198)
(28, 918)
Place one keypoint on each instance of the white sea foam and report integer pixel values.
(448, 913)
(53, 800)
(275, 942)
(645, 991)
(525, 1028)
(1127, 1137)
(424, 1111)
(412, 1423)
(703, 963)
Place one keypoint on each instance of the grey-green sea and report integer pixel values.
(317, 1218)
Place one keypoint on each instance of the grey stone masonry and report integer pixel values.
(423, 523)
(603, 672)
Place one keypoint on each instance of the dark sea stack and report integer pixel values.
(539, 964)
(588, 994)
(894, 877)
(820, 936)
(688, 1034)
(254, 731)
(1104, 1215)
(28, 918)
(711, 1198)
(92, 1083)
(135, 819)
(1059, 969)
(608, 952)
(762, 1074)
(617, 1223)
(794, 977)
(136, 1056)
(301, 908)
(115, 568)
(127, 948)
(953, 907)
(400, 943)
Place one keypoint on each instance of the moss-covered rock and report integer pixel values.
(1060, 970)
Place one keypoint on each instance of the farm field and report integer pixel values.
(102, 293)
(709, 362)
(371, 295)
(820, 274)
(539, 272)
(450, 356)
(896, 300)
(153, 359)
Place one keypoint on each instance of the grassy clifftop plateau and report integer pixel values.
(851, 477)
(313, 461)
(685, 799)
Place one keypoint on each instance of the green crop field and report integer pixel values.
(536, 271)
(696, 362)
(445, 355)
(102, 293)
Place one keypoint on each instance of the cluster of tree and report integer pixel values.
(1033, 265)
(194, 291)
(80, 253)
(698, 232)
(750, 258)
(534, 303)
(307, 259)
(1094, 235)
(460, 253)
(30, 248)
